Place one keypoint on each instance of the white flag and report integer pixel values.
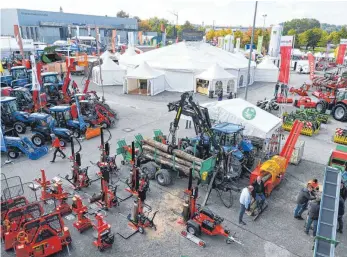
(77, 31)
(34, 80)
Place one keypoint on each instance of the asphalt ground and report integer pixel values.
(274, 233)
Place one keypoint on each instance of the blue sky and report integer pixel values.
(223, 12)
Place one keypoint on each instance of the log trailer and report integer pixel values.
(273, 170)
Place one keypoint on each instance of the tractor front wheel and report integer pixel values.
(321, 106)
(163, 177)
(20, 127)
(340, 112)
(38, 140)
(62, 142)
(13, 154)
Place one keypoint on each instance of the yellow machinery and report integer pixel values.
(340, 136)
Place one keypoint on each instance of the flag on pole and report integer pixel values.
(35, 82)
(341, 52)
(260, 44)
(286, 51)
(19, 41)
(311, 64)
(238, 43)
(114, 35)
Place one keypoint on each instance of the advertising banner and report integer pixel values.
(327, 51)
(114, 35)
(19, 40)
(341, 52)
(88, 28)
(311, 65)
(286, 51)
(260, 44)
(139, 35)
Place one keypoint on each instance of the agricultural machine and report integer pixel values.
(273, 170)
(305, 102)
(43, 126)
(18, 77)
(14, 145)
(337, 105)
(340, 136)
(201, 220)
(338, 160)
(64, 119)
(268, 105)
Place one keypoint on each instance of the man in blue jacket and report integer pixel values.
(304, 196)
(340, 214)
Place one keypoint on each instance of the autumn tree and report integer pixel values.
(122, 14)
(144, 26)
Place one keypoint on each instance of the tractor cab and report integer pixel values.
(62, 115)
(19, 72)
(53, 93)
(341, 95)
(24, 99)
(52, 78)
(8, 106)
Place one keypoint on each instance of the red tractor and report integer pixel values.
(337, 105)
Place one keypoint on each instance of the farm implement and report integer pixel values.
(340, 136)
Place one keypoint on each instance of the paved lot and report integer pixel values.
(275, 233)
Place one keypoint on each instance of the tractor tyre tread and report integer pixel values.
(163, 177)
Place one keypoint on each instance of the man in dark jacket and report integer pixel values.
(313, 214)
(340, 214)
(259, 192)
(304, 196)
(343, 191)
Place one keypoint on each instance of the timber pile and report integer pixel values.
(179, 160)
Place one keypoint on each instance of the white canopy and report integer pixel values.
(112, 73)
(257, 122)
(144, 79)
(107, 55)
(266, 71)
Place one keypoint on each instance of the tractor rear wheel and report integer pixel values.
(340, 112)
(321, 106)
(38, 140)
(20, 127)
(13, 154)
(163, 177)
(62, 142)
(149, 168)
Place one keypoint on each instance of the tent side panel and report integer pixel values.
(177, 81)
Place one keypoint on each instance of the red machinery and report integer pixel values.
(16, 219)
(104, 237)
(281, 99)
(299, 91)
(107, 197)
(273, 170)
(83, 222)
(305, 101)
(54, 191)
(201, 220)
(42, 237)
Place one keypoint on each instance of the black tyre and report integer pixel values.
(38, 140)
(250, 159)
(13, 154)
(150, 169)
(141, 230)
(340, 112)
(63, 142)
(20, 127)
(76, 133)
(275, 107)
(321, 106)
(193, 228)
(163, 177)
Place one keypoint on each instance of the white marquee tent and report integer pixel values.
(112, 73)
(182, 61)
(218, 79)
(266, 71)
(144, 80)
(257, 122)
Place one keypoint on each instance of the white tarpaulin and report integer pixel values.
(112, 73)
(218, 77)
(189, 59)
(154, 79)
(266, 71)
(257, 122)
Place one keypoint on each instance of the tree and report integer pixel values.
(300, 25)
(238, 34)
(323, 39)
(292, 32)
(137, 18)
(210, 34)
(122, 14)
(343, 33)
(310, 38)
(334, 37)
(144, 26)
(187, 26)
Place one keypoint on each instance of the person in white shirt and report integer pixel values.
(245, 202)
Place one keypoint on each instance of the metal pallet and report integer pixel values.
(325, 241)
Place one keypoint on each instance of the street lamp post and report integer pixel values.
(250, 51)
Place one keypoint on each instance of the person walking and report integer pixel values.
(220, 95)
(277, 87)
(245, 202)
(56, 145)
(343, 191)
(340, 214)
(304, 196)
(313, 214)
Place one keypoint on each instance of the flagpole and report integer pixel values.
(98, 49)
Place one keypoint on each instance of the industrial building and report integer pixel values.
(49, 27)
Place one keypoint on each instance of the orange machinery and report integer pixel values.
(273, 170)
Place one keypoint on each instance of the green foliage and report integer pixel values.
(330, 27)
(300, 25)
(334, 37)
(187, 26)
(122, 14)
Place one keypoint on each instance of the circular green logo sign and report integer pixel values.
(249, 113)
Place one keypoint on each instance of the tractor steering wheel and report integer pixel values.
(22, 237)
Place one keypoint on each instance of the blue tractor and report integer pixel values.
(19, 76)
(14, 145)
(43, 126)
(11, 117)
(62, 115)
(231, 138)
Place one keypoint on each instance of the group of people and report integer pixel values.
(308, 199)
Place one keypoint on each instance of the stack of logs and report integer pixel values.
(178, 160)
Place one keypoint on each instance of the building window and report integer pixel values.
(27, 33)
(37, 34)
(241, 81)
(32, 33)
(21, 32)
